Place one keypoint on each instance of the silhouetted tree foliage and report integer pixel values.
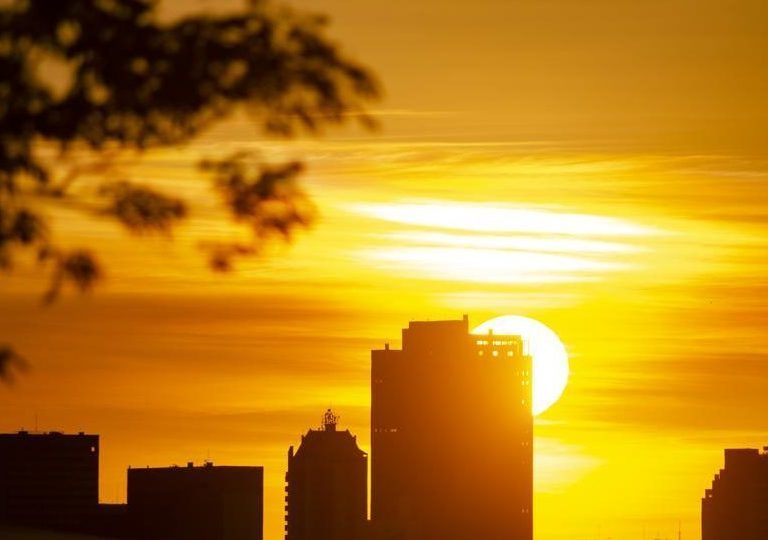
(265, 197)
(10, 362)
(124, 80)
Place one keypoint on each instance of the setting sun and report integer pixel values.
(550, 359)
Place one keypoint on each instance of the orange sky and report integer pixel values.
(597, 165)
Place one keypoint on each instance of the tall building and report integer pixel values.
(49, 480)
(736, 506)
(196, 503)
(451, 421)
(326, 486)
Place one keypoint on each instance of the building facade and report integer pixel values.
(451, 430)
(49, 480)
(736, 506)
(326, 486)
(196, 503)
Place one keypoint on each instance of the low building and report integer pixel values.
(736, 506)
(49, 480)
(196, 503)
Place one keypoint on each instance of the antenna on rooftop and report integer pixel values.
(330, 420)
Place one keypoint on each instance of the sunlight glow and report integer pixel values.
(550, 359)
(493, 265)
(517, 242)
(481, 217)
(476, 242)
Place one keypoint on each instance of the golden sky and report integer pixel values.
(598, 165)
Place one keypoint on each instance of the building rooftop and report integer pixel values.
(327, 441)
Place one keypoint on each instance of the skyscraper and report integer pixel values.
(326, 486)
(451, 436)
(736, 506)
(196, 503)
(49, 480)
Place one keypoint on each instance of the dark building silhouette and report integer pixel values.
(327, 486)
(451, 436)
(49, 480)
(196, 503)
(110, 521)
(736, 506)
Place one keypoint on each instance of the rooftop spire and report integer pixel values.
(330, 420)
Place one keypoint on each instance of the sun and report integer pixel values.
(550, 359)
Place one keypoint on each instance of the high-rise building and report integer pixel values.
(451, 424)
(196, 503)
(49, 480)
(326, 486)
(736, 506)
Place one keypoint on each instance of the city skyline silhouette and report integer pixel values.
(429, 395)
(211, 211)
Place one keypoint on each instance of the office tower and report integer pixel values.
(326, 486)
(736, 506)
(196, 503)
(49, 480)
(451, 436)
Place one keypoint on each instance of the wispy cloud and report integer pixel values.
(497, 243)
(494, 217)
